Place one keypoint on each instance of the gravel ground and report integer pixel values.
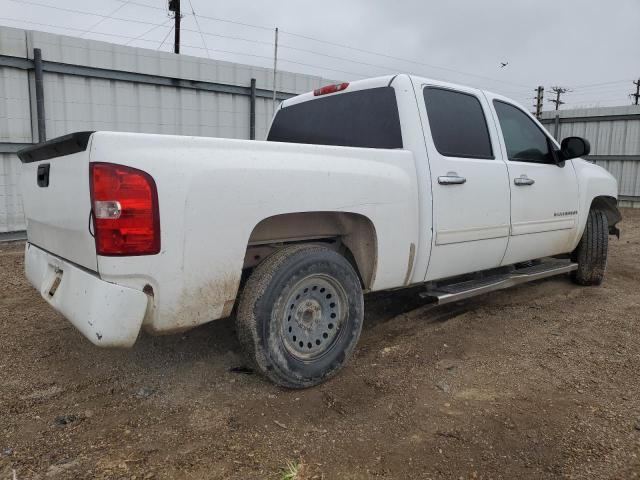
(541, 381)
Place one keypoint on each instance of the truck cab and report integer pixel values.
(493, 188)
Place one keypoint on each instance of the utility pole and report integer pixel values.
(558, 91)
(174, 6)
(275, 69)
(539, 100)
(636, 95)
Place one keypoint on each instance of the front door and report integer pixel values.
(469, 182)
(544, 195)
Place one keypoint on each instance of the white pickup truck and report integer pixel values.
(364, 186)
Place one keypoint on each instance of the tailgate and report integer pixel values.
(56, 198)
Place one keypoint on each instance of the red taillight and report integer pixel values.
(337, 87)
(124, 203)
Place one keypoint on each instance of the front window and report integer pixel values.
(524, 140)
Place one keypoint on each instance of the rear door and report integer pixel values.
(468, 180)
(544, 194)
(56, 198)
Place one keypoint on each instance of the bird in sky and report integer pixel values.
(503, 64)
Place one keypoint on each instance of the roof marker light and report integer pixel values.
(336, 87)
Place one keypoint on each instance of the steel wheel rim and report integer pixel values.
(313, 317)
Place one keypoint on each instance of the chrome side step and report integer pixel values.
(447, 293)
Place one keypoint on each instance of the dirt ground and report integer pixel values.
(540, 381)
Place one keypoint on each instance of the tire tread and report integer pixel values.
(247, 323)
(591, 252)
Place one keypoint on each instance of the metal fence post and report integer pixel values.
(252, 111)
(37, 63)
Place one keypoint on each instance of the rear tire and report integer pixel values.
(591, 252)
(300, 315)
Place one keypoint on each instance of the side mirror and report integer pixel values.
(574, 147)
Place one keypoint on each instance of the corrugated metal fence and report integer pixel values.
(614, 134)
(91, 85)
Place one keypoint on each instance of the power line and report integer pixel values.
(388, 69)
(460, 72)
(370, 52)
(592, 103)
(600, 93)
(415, 62)
(132, 38)
(131, 2)
(80, 12)
(335, 57)
(165, 38)
(592, 84)
(156, 25)
(139, 37)
(202, 33)
(204, 44)
(230, 52)
(116, 10)
(261, 27)
(114, 35)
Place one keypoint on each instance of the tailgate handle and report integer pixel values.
(43, 175)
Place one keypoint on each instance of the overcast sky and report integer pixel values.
(590, 46)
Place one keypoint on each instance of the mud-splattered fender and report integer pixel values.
(593, 182)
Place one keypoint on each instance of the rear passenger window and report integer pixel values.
(458, 125)
(365, 118)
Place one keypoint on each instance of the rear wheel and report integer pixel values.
(591, 252)
(300, 315)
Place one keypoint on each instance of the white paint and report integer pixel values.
(445, 237)
(109, 315)
(58, 215)
(470, 220)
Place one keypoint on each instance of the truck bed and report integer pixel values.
(212, 194)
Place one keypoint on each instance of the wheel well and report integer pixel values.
(609, 205)
(351, 234)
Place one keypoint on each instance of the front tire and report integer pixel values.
(300, 315)
(591, 252)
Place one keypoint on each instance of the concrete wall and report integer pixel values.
(614, 134)
(76, 101)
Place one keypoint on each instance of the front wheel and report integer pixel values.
(591, 252)
(300, 315)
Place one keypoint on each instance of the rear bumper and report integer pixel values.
(109, 315)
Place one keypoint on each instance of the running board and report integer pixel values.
(459, 291)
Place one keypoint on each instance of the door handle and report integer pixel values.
(43, 175)
(451, 179)
(523, 181)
